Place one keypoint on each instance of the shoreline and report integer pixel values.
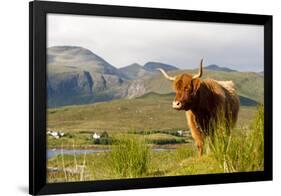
(107, 147)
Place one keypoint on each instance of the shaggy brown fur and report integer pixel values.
(206, 102)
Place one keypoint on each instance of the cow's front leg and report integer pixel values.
(195, 132)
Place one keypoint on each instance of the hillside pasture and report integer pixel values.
(151, 123)
(149, 112)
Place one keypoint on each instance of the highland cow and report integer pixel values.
(206, 102)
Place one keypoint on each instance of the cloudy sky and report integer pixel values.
(123, 41)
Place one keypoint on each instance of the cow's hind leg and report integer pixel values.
(195, 132)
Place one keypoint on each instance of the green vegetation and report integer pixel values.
(130, 157)
(243, 150)
(160, 138)
(119, 116)
(81, 122)
(104, 139)
(138, 146)
(85, 140)
(144, 136)
(248, 84)
(152, 112)
(81, 140)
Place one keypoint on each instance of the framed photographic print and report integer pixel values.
(131, 97)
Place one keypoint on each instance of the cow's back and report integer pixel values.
(217, 101)
(232, 102)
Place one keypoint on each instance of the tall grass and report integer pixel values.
(67, 168)
(184, 152)
(241, 150)
(130, 157)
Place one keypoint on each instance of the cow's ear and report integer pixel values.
(195, 85)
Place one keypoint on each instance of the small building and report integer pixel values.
(96, 136)
(180, 132)
(55, 134)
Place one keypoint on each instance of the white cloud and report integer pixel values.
(122, 41)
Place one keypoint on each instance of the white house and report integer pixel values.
(55, 134)
(96, 136)
(180, 132)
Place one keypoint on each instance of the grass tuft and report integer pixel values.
(242, 150)
(130, 157)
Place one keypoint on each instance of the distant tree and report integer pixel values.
(104, 135)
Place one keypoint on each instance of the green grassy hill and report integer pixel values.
(142, 125)
(149, 112)
(248, 84)
(244, 150)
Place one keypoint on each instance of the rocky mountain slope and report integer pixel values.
(78, 76)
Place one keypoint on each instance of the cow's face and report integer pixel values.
(186, 88)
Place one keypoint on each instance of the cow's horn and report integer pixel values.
(166, 75)
(200, 70)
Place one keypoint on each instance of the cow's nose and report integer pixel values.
(176, 104)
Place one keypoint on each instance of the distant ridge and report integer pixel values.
(77, 76)
(152, 66)
(136, 71)
(214, 67)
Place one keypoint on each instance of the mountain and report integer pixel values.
(78, 76)
(134, 71)
(152, 66)
(214, 67)
(70, 83)
(69, 88)
(61, 57)
(248, 84)
(73, 56)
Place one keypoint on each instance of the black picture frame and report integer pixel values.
(37, 96)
